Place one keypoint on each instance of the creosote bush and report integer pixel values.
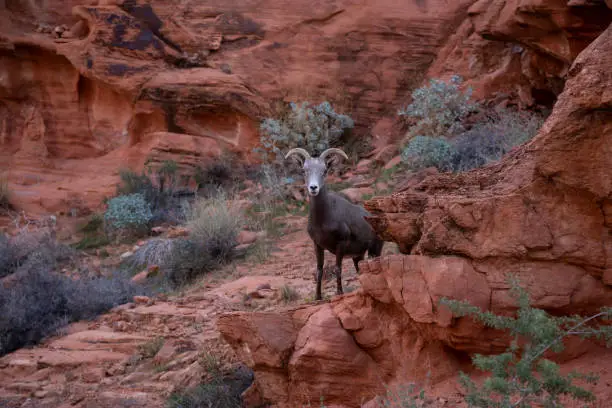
(128, 213)
(312, 127)
(522, 376)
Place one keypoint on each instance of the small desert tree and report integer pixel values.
(312, 127)
(438, 109)
(522, 376)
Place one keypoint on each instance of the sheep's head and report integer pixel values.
(315, 168)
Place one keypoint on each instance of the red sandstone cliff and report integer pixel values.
(544, 213)
(124, 80)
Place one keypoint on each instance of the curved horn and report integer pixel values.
(333, 150)
(300, 151)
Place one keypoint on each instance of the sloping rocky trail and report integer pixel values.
(89, 86)
(118, 360)
(544, 213)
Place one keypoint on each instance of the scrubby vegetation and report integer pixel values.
(222, 391)
(438, 109)
(37, 300)
(438, 135)
(128, 213)
(312, 127)
(522, 376)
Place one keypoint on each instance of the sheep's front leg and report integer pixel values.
(320, 261)
(356, 262)
(339, 257)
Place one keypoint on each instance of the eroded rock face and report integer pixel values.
(116, 81)
(543, 214)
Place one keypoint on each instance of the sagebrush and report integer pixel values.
(312, 127)
(128, 213)
(438, 109)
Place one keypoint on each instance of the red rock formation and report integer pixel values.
(113, 79)
(543, 214)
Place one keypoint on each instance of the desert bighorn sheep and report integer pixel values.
(334, 223)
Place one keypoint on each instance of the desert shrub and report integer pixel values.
(4, 192)
(214, 224)
(402, 396)
(486, 142)
(225, 172)
(312, 127)
(128, 213)
(158, 187)
(156, 251)
(28, 250)
(521, 376)
(223, 391)
(38, 302)
(94, 234)
(288, 294)
(438, 109)
(426, 151)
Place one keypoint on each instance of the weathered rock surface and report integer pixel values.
(87, 87)
(543, 214)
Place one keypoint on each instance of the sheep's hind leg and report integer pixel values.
(339, 257)
(356, 262)
(320, 261)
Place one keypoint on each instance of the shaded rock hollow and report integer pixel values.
(132, 81)
(542, 213)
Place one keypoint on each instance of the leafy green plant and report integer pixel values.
(522, 376)
(426, 151)
(486, 142)
(312, 127)
(128, 212)
(438, 109)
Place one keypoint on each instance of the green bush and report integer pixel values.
(521, 376)
(438, 109)
(486, 142)
(425, 151)
(128, 213)
(312, 127)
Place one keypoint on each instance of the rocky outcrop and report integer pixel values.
(521, 50)
(542, 214)
(118, 82)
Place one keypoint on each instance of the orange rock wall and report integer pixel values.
(125, 81)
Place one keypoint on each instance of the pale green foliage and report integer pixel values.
(128, 212)
(425, 151)
(438, 108)
(312, 127)
(521, 376)
(486, 142)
